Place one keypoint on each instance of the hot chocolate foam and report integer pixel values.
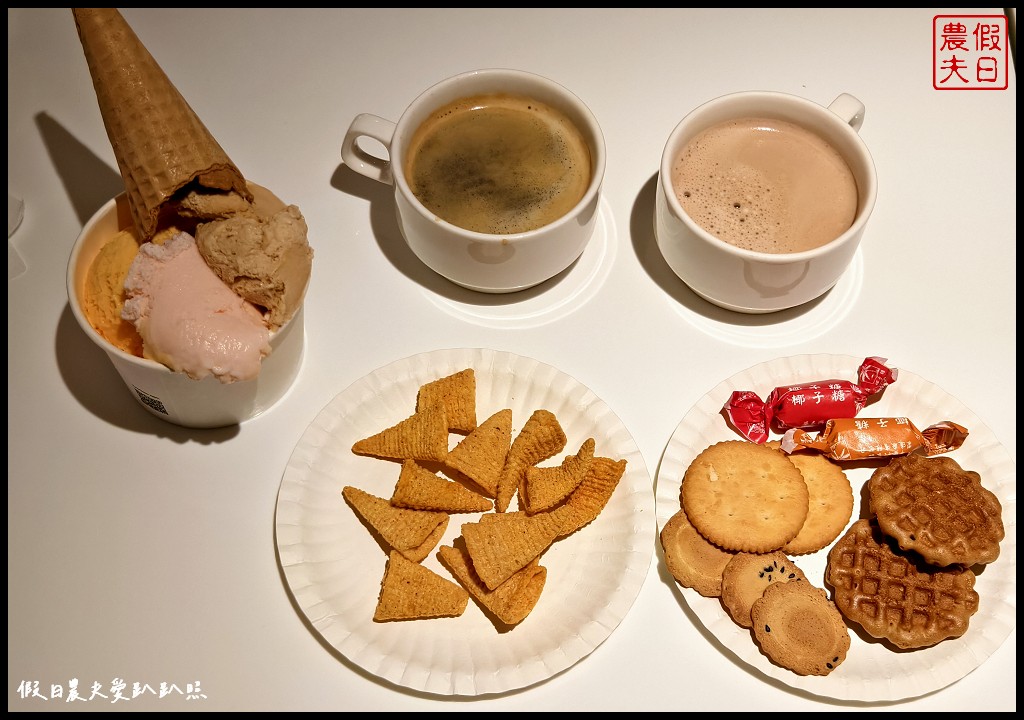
(766, 185)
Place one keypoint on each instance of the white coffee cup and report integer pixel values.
(760, 282)
(169, 395)
(494, 263)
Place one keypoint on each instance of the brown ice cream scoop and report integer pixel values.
(266, 261)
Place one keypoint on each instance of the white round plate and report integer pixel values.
(333, 566)
(871, 671)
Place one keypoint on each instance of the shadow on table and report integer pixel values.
(389, 238)
(645, 245)
(92, 380)
(88, 181)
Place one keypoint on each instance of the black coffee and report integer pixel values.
(498, 164)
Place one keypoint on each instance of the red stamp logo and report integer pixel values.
(969, 52)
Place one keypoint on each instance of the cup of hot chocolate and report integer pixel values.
(497, 176)
(763, 198)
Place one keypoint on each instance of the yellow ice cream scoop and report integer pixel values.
(104, 292)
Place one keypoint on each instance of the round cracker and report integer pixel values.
(744, 497)
(799, 628)
(693, 561)
(829, 505)
(748, 575)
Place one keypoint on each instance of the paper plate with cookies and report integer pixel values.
(842, 526)
(465, 522)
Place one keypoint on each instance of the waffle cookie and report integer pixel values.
(937, 509)
(913, 605)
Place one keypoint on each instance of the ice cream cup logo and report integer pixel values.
(475, 254)
(169, 395)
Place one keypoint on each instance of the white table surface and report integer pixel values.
(143, 551)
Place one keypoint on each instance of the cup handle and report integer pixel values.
(850, 109)
(363, 162)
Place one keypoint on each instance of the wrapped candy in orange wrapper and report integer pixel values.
(807, 404)
(866, 438)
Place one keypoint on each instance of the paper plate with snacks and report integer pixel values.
(465, 522)
(842, 526)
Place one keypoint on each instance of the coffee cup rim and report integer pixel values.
(417, 110)
(867, 191)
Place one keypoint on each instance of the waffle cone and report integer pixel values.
(161, 145)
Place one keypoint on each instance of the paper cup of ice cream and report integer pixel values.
(193, 280)
(216, 399)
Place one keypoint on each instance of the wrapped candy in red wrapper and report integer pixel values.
(867, 438)
(806, 405)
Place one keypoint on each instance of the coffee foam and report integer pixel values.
(499, 164)
(766, 185)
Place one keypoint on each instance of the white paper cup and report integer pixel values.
(173, 396)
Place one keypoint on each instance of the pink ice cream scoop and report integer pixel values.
(188, 318)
